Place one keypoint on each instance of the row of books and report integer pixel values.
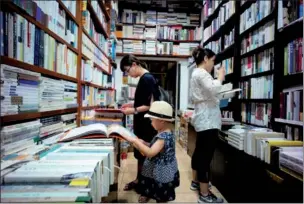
(90, 50)
(153, 18)
(257, 38)
(256, 113)
(261, 62)
(88, 25)
(215, 46)
(289, 11)
(19, 136)
(132, 81)
(292, 132)
(293, 57)
(93, 74)
(95, 97)
(25, 91)
(64, 174)
(57, 94)
(227, 64)
(257, 88)
(152, 47)
(25, 42)
(226, 11)
(291, 104)
(53, 17)
(262, 143)
(229, 39)
(160, 32)
(256, 12)
(210, 6)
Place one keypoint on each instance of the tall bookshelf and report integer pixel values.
(248, 68)
(36, 13)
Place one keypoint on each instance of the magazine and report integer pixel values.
(114, 130)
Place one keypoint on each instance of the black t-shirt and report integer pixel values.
(146, 87)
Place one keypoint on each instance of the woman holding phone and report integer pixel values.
(146, 92)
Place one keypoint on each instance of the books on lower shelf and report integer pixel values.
(258, 38)
(34, 46)
(293, 57)
(291, 104)
(261, 62)
(19, 136)
(256, 113)
(257, 88)
(255, 13)
(92, 96)
(292, 159)
(77, 171)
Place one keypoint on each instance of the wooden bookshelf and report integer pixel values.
(77, 19)
(33, 68)
(32, 116)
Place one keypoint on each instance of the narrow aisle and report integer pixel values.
(183, 192)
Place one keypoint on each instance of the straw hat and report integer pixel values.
(160, 110)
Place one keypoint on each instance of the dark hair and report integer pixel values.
(127, 60)
(200, 53)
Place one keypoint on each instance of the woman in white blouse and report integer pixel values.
(206, 120)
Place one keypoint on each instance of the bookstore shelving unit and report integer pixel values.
(231, 165)
(31, 12)
(157, 26)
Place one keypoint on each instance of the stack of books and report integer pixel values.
(69, 121)
(50, 126)
(51, 94)
(19, 90)
(70, 94)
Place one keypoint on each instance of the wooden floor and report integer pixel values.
(183, 193)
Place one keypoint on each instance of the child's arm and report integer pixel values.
(149, 151)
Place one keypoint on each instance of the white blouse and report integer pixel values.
(204, 90)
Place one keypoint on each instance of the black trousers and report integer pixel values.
(201, 159)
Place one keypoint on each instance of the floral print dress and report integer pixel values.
(160, 175)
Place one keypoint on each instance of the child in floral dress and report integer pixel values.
(160, 175)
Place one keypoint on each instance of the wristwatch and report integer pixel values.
(135, 112)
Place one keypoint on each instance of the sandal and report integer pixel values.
(143, 199)
(130, 186)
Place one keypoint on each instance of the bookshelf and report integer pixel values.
(72, 20)
(256, 59)
(263, 59)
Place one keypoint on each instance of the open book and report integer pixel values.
(227, 92)
(96, 129)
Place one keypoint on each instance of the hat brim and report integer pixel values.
(147, 115)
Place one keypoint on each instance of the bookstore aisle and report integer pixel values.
(183, 192)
